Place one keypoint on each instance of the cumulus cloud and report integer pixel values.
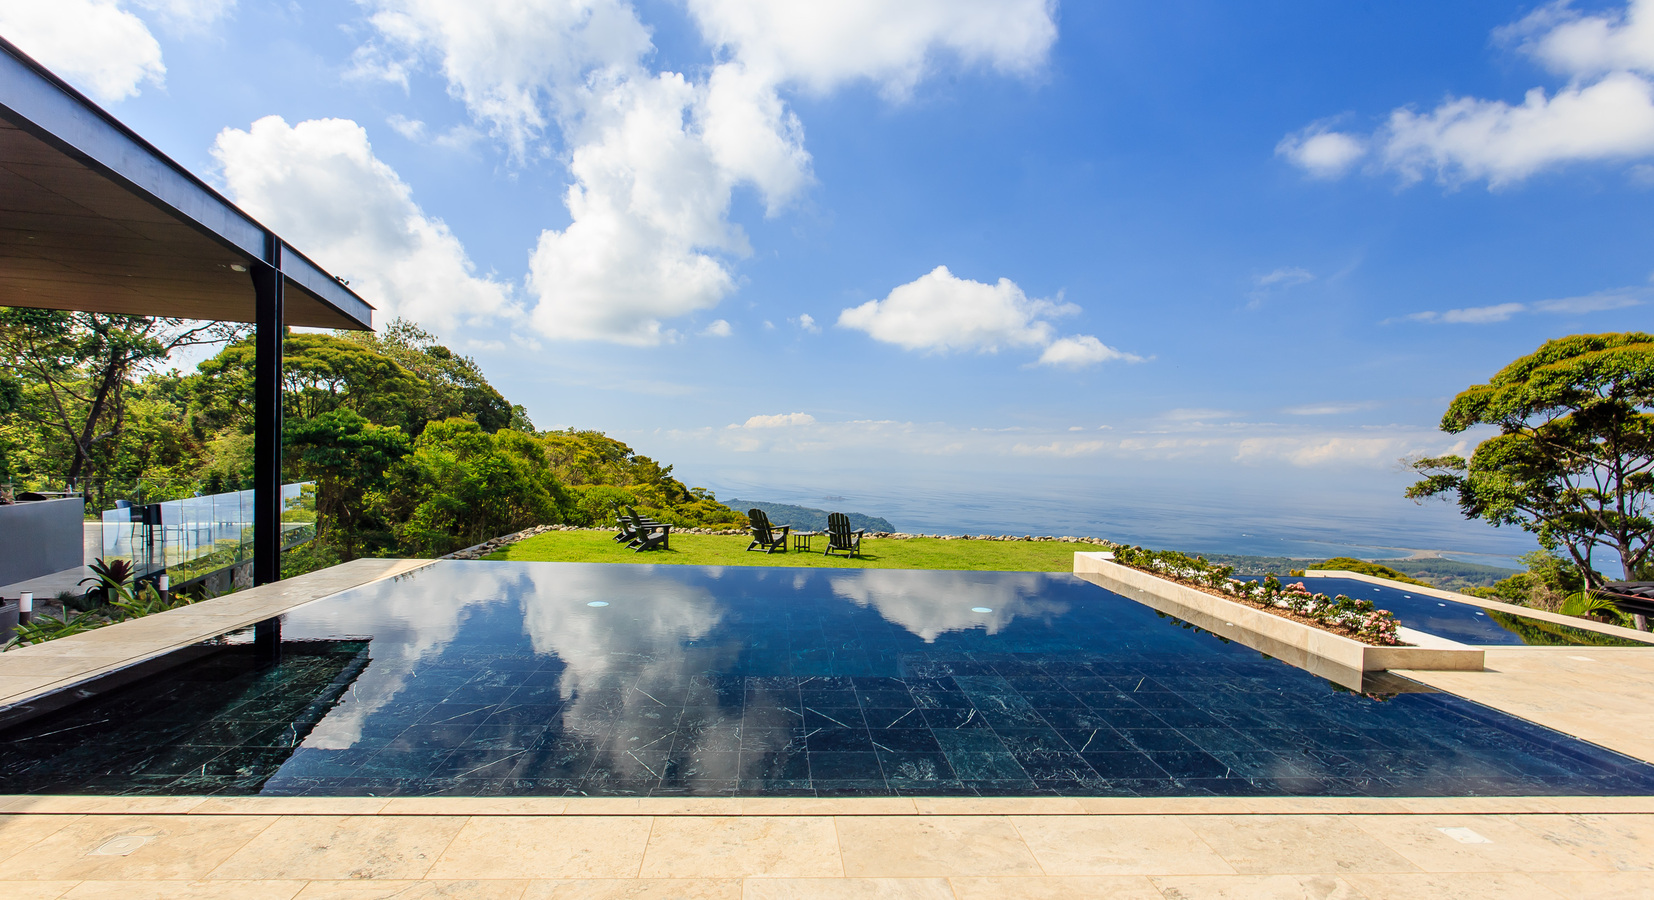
(319, 185)
(940, 312)
(823, 45)
(95, 44)
(1081, 350)
(1502, 312)
(1605, 112)
(655, 157)
(1321, 152)
(808, 323)
(718, 328)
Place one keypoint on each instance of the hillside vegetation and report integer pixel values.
(414, 453)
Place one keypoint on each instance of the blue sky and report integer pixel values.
(1234, 255)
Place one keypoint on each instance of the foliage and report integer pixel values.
(461, 486)
(67, 379)
(1549, 579)
(1350, 564)
(449, 385)
(1359, 618)
(109, 579)
(50, 628)
(731, 550)
(581, 458)
(349, 457)
(1573, 462)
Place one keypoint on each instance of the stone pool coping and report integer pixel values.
(29, 673)
(1523, 611)
(1329, 655)
(80, 805)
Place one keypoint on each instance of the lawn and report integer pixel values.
(730, 550)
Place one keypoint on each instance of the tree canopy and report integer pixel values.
(1573, 461)
(412, 450)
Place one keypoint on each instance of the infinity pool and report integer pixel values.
(494, 678)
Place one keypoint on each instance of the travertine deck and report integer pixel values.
(1602, 694)
(939, 856)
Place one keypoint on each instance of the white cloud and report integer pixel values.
(782, 420)
(1570, 43)
(1324, 409)
(95, 44)
(1468, 139)
(187, 15)
(1286, 276)
(807, 322)
(718, 328)
(656, 157)
(1502, 312)
(823, 45)
(513, 63)
(1604, 113)
(1081, 350)
(1321, 152)
(319, 185)
(940, 311)
(412, 129)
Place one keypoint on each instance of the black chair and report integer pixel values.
(841, 537)
(765, 536)
(649, 535)
(623, 520)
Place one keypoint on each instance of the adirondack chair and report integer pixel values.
(765, 536)
(623, 520)
(649, 535)
(841, 537)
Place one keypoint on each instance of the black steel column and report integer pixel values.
(267, 385)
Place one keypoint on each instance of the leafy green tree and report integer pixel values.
(1573, 462)
(349, 457)
(72, 371)
(450, 385)
(461, 486)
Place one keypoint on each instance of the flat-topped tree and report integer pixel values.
(1573, 462)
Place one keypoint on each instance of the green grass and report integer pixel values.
(730, 550)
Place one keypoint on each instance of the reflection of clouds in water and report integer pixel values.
(630, 660)
(931, 603)
(430, 603)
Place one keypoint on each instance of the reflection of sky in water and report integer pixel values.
(492, 678)
(932, 603)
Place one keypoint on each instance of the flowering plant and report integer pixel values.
(1357, 617)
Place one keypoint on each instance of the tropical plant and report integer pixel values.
(109, 579)
(50, 628)
(1573, 462)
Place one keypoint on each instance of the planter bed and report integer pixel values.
(1298, 643)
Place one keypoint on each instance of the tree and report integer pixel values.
(73, 370)
(451, 385)
(349, 456)
(1573, 461)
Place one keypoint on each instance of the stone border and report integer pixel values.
(1313, 648)
(29, 674)
(1523, 611)
(809, 806)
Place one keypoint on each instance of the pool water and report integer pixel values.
(1464, 622)
(496, 678)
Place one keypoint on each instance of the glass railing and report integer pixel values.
(196, 536)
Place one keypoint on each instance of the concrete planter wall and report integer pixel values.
(1305, 646)
(40, 537)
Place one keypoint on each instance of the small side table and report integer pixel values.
(801, 539)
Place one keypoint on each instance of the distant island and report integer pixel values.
(804, 518)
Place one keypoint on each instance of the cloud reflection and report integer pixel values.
(930, 604)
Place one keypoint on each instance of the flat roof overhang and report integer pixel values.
(94, 218)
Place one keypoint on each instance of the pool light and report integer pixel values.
(980, 609)
(598, 603)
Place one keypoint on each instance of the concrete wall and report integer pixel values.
(40, 537)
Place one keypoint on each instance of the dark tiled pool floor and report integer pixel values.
(706, 682)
